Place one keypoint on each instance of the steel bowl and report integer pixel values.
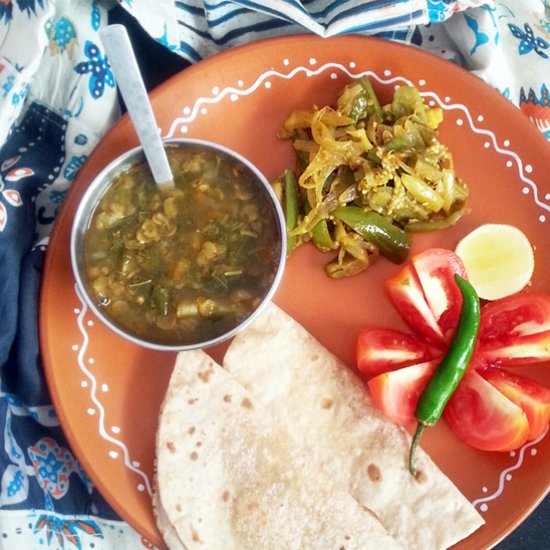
(86, 210)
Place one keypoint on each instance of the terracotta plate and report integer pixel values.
(107, 391)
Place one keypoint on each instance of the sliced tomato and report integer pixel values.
(533, 398)
(516, 330)
(524, 350)
(383, 349)
(436, 268)
(396, 393)
(515, 316)
(483, 417)
(406, 294)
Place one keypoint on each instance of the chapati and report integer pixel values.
(229, 477)
(329, 414)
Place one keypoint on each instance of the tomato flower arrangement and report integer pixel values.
(493, 408)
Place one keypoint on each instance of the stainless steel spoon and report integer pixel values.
(123, 62)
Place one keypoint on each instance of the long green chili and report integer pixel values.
(450, 371)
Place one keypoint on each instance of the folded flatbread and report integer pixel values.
(329, 414)
(228, 477)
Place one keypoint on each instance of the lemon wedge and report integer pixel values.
(498, 258)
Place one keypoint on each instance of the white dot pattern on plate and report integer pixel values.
(115, 429)
(91, 411)
(104, 388)
(113, 454)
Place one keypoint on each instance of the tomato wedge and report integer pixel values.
(516, 329)
(406, 294)
(525, 350)
(383, 349)
(480, 415)
(436, 268)
(515, 316)
(396, 392)
(533, 398)
(426, 295)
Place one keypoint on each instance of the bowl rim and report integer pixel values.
(86, 207)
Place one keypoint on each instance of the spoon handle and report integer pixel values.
(125, 68)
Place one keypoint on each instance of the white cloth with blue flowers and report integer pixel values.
(54, 77)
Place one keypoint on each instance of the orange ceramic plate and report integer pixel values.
(107, 391)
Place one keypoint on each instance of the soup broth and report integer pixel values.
(188, 264)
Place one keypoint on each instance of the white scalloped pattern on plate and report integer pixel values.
(233, 93)
(95, 391)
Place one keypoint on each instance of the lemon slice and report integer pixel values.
(498, 258)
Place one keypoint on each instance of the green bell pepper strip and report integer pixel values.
(450, 371)
(393, 242)
(367, 86)
(292, 209)
(320, 234)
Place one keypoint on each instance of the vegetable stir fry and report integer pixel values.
(367, 175)
(183, 265)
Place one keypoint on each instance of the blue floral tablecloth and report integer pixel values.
(58, 98)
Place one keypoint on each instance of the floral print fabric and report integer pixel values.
(58, 98)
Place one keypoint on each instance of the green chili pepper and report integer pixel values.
(392, 241)
(450, 371)
(291, 209)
